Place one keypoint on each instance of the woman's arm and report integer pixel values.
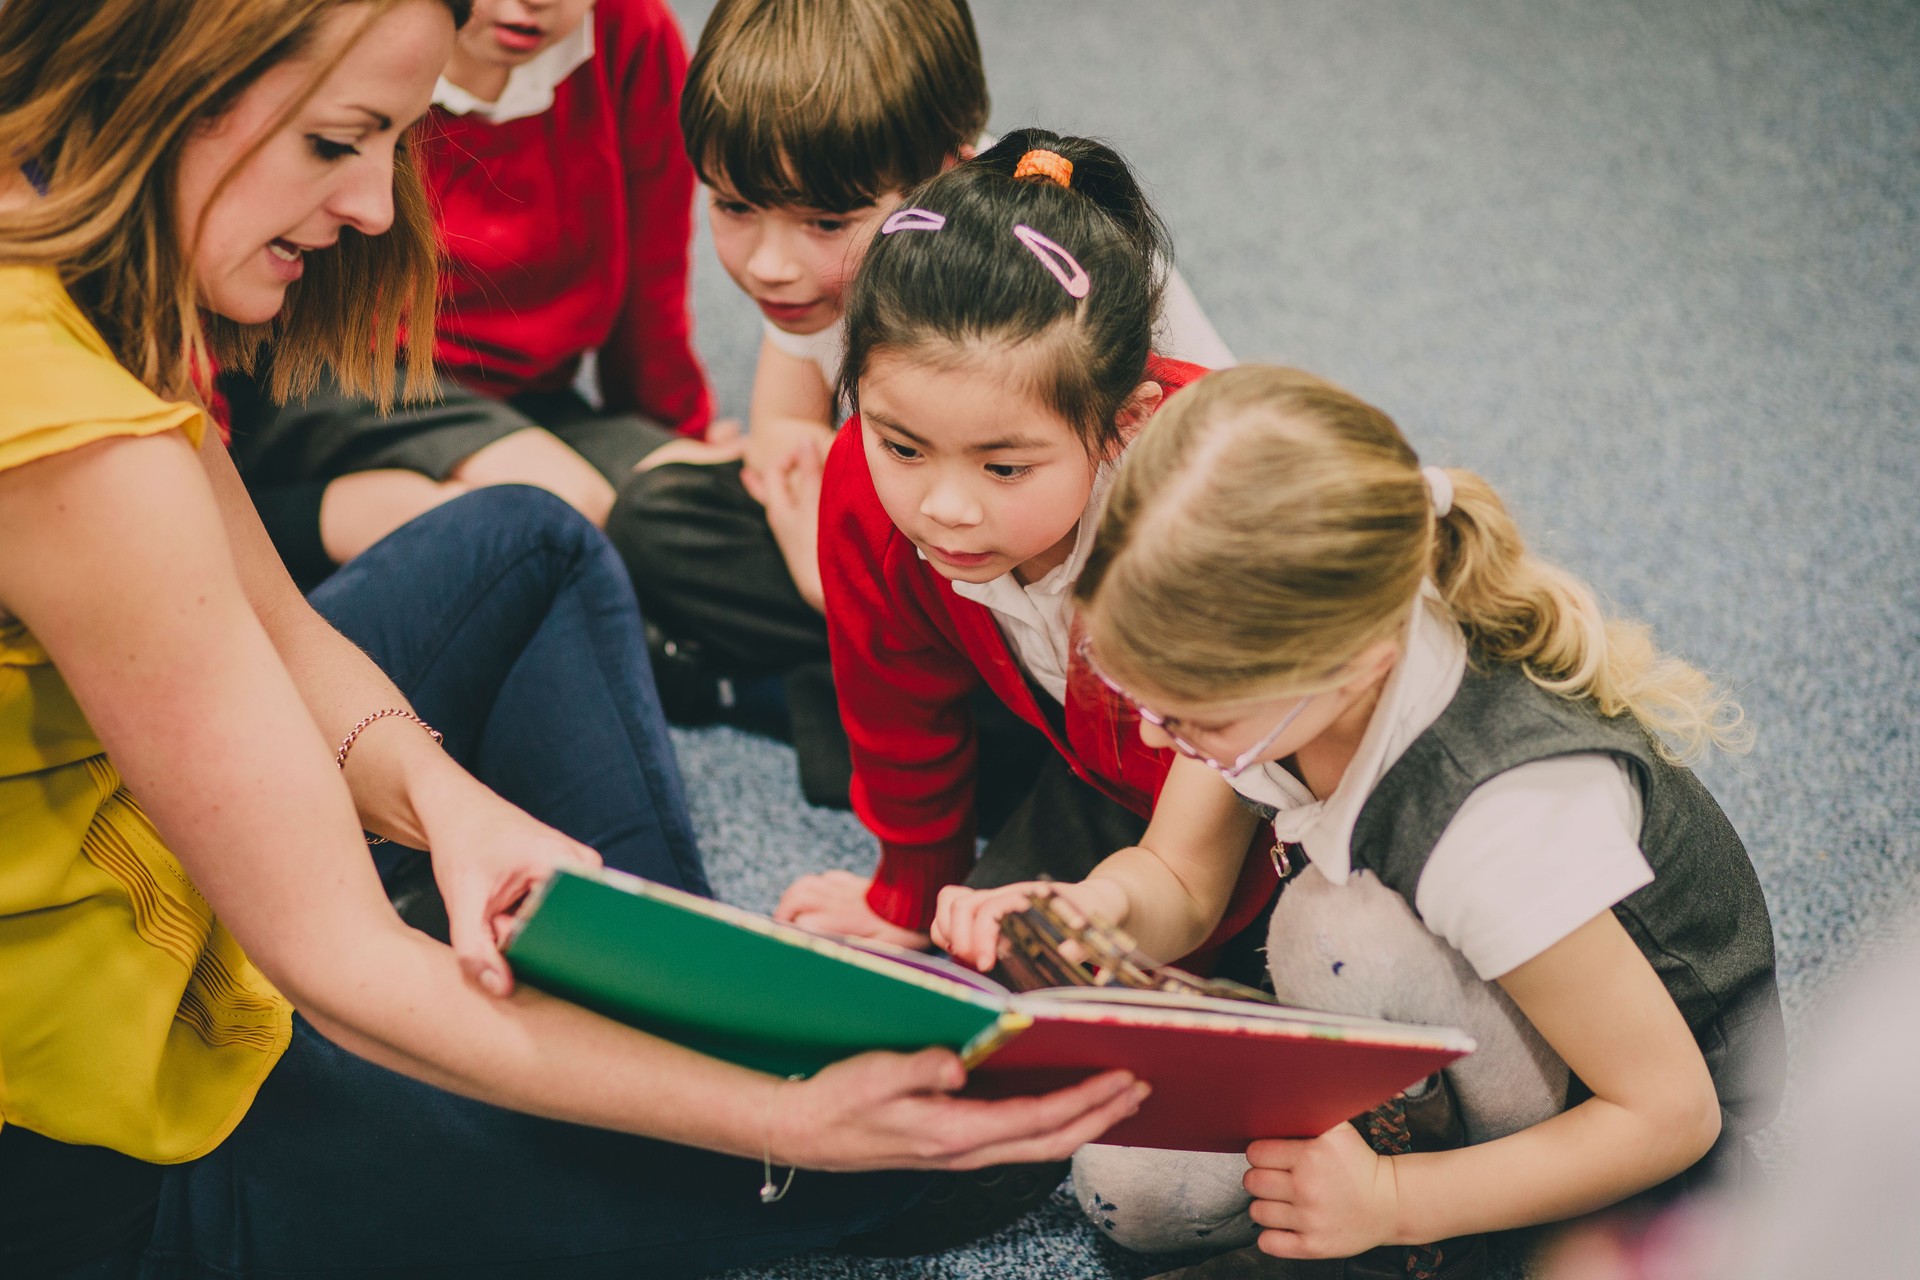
(1170, 890)
(487, 853)
(1654, 1113)
(118, 562)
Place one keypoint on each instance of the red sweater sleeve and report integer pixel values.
(903, 687)
(648, 363)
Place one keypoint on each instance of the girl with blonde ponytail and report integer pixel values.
(1482, 777)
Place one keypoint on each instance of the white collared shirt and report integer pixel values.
(1037, 617)
(1532, 855)
(530, 86)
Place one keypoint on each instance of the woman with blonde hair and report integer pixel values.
(220, 1048)
(1480, 776)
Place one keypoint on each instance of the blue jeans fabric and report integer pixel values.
(510, 624)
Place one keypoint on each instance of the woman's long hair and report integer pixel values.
(103, 95)
(1269, 526)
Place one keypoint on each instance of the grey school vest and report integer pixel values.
(1702, 923)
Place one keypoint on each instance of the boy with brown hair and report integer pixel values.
(806, 120)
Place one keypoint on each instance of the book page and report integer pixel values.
(1072, 1002)
(938, 966)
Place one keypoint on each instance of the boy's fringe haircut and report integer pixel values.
(1268, 526)
(104, 95)
(831, 104)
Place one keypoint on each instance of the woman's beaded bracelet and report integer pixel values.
(346, 743)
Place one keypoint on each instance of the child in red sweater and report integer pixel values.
(564, 201)
(807, 120)
(998, 358)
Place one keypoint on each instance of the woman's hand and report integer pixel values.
(487, 855)
(967, 921)
(836, 902)
(1326, 1197)
(896, 1111)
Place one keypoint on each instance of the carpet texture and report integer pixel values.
(1653, 269)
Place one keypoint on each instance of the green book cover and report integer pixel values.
(736, 985)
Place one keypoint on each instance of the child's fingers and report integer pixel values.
(1278, 1215)
(941, 930)
(1269, 1184)
(1277, 1153)
(986, 926)
(955, 917)
(803, 894)
(981, 931)
(754, 484)
(1282, 1244)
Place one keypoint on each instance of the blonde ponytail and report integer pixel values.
(1516, 607)
(1268, 526)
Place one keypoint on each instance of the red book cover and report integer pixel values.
(1220, 1079)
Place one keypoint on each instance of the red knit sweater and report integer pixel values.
(569, 231)
(907, 652)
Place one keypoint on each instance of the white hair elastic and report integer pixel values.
(912, 220)
(1439, 489)
(1065, 268)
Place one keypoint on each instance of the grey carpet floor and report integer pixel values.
(1652, 268)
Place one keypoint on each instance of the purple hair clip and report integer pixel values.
(912, 220)
(1064, 266)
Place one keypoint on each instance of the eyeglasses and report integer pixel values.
(1241, 763)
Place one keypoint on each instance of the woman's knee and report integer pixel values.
(523, 516)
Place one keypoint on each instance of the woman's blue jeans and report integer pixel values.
(511, 626)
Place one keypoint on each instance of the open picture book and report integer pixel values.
(782, 999)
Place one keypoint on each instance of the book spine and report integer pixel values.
(991, 1038)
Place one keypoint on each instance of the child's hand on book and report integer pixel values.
(836, 902)
(1325, 1197)
(967, 921)
(897, 1111)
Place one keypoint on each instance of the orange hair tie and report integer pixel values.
(1045, 164)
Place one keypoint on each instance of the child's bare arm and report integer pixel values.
(1179, 879)
(791, 426)
(792, 404)
(1654, 1112)
(1170, 890)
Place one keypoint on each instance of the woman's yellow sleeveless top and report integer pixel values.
(129, 1018)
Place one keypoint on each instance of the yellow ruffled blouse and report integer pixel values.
(129, 1017)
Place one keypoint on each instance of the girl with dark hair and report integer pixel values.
(223, 1053)
(998, 358)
